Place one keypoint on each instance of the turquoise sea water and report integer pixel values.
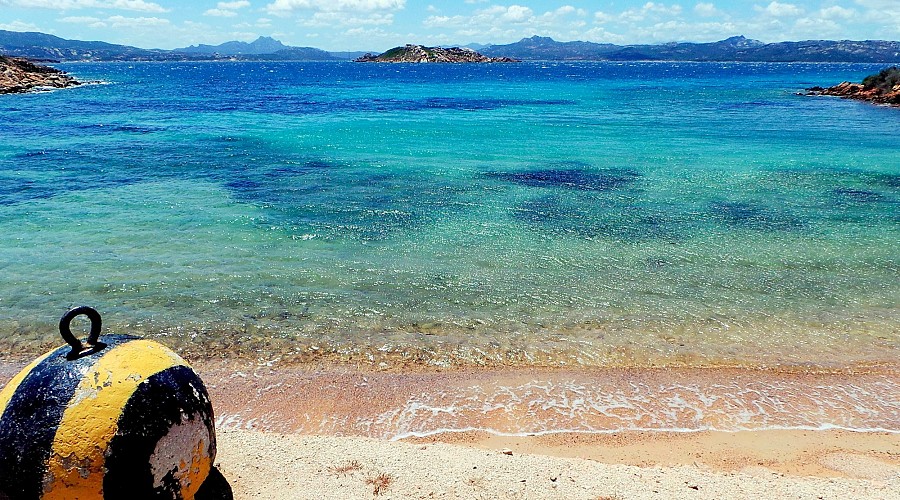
(598, 214)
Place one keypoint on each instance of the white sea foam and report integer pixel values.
(541, 407)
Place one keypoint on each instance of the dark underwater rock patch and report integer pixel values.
(851, 195)
(243, 185)
(41, 174)
(751, 216)
(298, 168)
(114, 128)
(300, 105)
(450, 103)
(335, 200)
(570, 178)
(593, 218)
(889, 180)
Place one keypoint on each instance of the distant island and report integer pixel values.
(421, 54)
(18, 75)
(881, 88)
(536, 48)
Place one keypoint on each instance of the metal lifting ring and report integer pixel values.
(93, 341)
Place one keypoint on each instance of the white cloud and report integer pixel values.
(517, 14)
(79, 20)
(19, 25)
(220, 13)
(135, 5)
(600, 35)
(883, 13)
(227, 9)
(706, 10)
(136, 22)
(879, 4)
(603, 17)
(341, 19)
(778, 9)
(837, 12)
(650, 10)
(502, 23)
(239, 4)
(285, 6)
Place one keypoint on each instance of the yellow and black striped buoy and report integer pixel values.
(121, 418)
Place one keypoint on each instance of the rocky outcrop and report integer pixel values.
(19, 75)
(421, 54)
(883, 88)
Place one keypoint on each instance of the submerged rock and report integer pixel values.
(19, 75)
(421, 54)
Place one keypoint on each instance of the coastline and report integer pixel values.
(266, 449)
(534, 401)
(284, 431)
(342, 400)
(19, 75)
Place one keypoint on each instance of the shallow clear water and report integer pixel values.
(600, 214)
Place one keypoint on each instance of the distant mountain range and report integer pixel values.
(48, 47)
(738, 48)
(262, 45)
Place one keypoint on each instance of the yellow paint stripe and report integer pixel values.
(76, 465)
(10, 388)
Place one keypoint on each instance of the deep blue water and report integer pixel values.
(548, 213)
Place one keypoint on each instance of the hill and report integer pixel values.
(48, 47)
(736, 48)
(262, 45)
(41, 46)
(421, 54)
(35, 45)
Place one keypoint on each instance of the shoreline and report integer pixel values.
(271, 454)
(332, 433)
(515, 402)
(521, 402)
(20, 75)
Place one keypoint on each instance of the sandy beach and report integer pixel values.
(305, 432)
(764, 464)
(294, 432)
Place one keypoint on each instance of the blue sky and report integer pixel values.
(381, 24)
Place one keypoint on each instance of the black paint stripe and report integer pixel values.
(157, 405)
(29, 422)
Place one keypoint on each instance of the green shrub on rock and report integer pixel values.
(886, 80)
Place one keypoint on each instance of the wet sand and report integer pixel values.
(308, 414)
(290, 432)
(392, 405)
(306, 431)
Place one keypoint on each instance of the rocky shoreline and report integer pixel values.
(883, 88)
(421, 54)
(18, 75)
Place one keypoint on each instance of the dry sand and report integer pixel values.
(831, 464)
